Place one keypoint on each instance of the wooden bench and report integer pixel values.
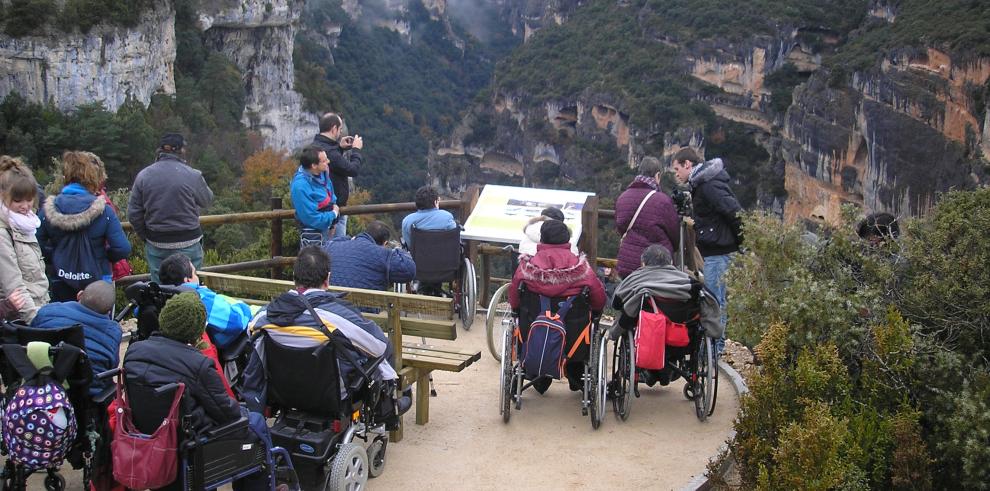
(400, 314)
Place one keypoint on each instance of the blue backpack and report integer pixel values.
(543, 353)
(74, 260)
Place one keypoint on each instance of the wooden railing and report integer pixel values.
(588, 243)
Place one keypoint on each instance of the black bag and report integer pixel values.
(74, 261)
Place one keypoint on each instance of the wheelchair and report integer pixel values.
(89, 451)
(320, 421)
(696, 362)
(145, 301)
(440, 259)
(209, 460)
(585, 343)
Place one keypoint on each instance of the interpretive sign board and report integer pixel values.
(503, 211)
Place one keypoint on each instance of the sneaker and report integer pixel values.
(575, 385)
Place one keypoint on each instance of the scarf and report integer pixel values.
(649, 181)
(26, 224)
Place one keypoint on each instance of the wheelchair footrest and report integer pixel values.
(307, 437)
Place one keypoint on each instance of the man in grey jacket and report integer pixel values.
(166, 200)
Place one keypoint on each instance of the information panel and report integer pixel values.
(503, 211)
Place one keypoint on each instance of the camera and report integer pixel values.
(682, 200)
(347, 140)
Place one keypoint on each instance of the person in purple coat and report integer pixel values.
(655, 223)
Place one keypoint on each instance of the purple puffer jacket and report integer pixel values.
(656, 224)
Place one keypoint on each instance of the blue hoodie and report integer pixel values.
(308, 191)
(74, 209)
(102, 335)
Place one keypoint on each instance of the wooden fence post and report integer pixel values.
(276, 240)
(589, 229)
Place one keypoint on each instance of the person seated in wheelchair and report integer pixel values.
(288, 321)
(677, 294)
(226, 318)
(556, 272)
(171, 355)
(92, 312)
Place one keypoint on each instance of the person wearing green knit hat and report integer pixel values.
(171, 355)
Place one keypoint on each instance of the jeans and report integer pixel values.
(715, 268)
(341, 229)
(155, 256)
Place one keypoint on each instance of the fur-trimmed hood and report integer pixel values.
(554, 264)
(707, 171)
(73, 210)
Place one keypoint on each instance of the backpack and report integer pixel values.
(543, 353)
(74, 260)
(38, 421)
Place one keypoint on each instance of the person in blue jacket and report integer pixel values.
(428, 215)
(226, 318)
(313, 197)
(77, 208)
(92, 311)
(365, 262)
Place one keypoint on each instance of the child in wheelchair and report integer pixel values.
(675, 293)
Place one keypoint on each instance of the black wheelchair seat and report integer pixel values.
(437, 254)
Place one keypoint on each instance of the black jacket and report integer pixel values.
(159, 361)
(342, 165)
(716, 210)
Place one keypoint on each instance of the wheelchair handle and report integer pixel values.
(108, 374)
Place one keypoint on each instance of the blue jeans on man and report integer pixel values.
(341, 229)
(715, 268)
(155, 256)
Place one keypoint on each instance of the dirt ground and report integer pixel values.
(548, 444)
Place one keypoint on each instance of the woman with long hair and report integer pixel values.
(22, 268)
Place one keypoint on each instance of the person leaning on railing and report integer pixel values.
(313, 197)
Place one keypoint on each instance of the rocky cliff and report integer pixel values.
(258, 36)
(109, 64)
(887, 136)
(106, 65)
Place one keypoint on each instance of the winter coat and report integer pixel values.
(556, 272)
(166, 201)
(288, 321)
(313, 199)
(158, 361)
(22, 266)
(102, 335)
(657, 223)
(531, 236)
(361, 263)
(343, 164)
(716, 210)
(77, 209)
(226, 318)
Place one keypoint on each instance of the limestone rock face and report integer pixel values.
(105, 65)
(257, 36)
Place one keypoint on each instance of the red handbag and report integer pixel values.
(145, 461)
(651, 334)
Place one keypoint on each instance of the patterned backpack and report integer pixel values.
(38, 421)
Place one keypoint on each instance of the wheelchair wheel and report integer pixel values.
(348, 469)
(469, 294)
(498, 320)
(376, 456)
(599, 347)
(507, 377)
(705, 380)
(623, 375)
(54, 482)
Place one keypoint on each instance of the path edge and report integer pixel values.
(701, 481)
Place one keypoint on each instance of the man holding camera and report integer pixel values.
(345, 161)
(716, 218)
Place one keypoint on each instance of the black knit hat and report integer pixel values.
(183, 318)
(553, 212)
(174, 140)
(554, 232)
